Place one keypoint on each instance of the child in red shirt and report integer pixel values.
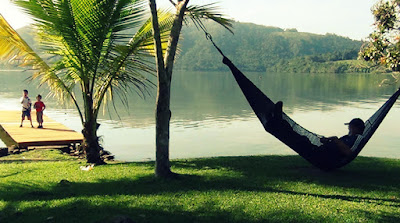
(39, 106)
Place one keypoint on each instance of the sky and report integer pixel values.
(350, 18)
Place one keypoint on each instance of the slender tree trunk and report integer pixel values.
(163, 113)
(164, 74)
(163, 116)
(170, 53)
(91, 141)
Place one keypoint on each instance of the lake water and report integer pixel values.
(210, 116)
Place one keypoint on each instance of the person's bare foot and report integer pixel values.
(20, 125)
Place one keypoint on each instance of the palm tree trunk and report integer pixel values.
(163, 113)
(91, 141)
(163, 116)
(174, 37)
(164, 74)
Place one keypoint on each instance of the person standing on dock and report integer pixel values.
(26, 107)
(39, 106)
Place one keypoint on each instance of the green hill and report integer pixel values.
(259, 48)
(28, 34)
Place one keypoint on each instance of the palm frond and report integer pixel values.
(198, 13)
(13, 49)
(101, 47)
(128, 63)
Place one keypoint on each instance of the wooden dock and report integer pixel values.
(52, 134)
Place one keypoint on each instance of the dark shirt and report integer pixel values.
(349, 140)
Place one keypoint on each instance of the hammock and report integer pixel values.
(304, 142)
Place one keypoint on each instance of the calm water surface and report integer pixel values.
(210, 116)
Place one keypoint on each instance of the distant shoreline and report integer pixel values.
(11, 70)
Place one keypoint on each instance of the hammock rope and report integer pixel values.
(306, 143)
(209, 37)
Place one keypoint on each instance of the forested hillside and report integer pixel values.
(259, 48)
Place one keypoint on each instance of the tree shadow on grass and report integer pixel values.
(366, 173)
(33, 160)
(252, 174)
(15, 173)
(258, 174)
(150, 186)
(83, 211)
(383, 216)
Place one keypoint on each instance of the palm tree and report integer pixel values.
(165, 64)
(96, 54)
(13, 47)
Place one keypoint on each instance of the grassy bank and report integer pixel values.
(234, 189)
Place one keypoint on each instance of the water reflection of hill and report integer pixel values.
(323, 91)
(214, 96)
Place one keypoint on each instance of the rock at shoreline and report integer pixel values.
(3, 152)
(108, 157)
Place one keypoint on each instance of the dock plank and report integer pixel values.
(53, 133)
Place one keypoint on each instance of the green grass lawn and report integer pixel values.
(231, 189)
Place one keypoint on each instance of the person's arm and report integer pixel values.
(341, 146)
(44, 107)
(327, 140)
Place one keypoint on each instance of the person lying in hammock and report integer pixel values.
(344, 144)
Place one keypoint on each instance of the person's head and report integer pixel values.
(25, 92)
(39, 97)
(356, 126)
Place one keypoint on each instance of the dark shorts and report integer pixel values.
(26, 113)
(39, 116)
